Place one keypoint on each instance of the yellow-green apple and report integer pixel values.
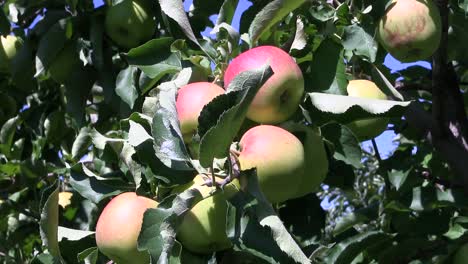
(203, 228)
(64, 63)
(461, 256)
(366, 129)
(191, 99)
(410, 30)
(130, 23)
(119, 225)
(279, 158)
(9, 46)
(279, 98)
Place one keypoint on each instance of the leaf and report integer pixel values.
(361, 215)
(398, 177)
(89, 256)
(125, 86)
(345, 109)
(72, 234)
(387, 86)
(221, 119)
(137, 134)
(168, 143)
(254, 227)
(226, 13)
(322, 11)
(81, 143)
(300, 37)
(356, 39)
(77, 88)
(7, 133)
(49, 220)
(155, 58)
(159, 228)
(327, 69)
(4, 23)
(271, 14)
(345, 251)
(93, 187)
(347, 148)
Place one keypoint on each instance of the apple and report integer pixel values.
(190, 101)
(65, 199)
(279, 98)
(64, 63)
(410, 30)
(203, 228)
(119, 225)
(9, 46)
(130, 23)
(461, 256)
(279, 158)
(366, 129)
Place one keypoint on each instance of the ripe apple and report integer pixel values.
(410, 30)
(9, 46)
(130, 23)
(279, 98)
(279, 157)
(203, 228)
(366, 129)
(191, 99)
(64, 63)
(461, 256)
(119, 225)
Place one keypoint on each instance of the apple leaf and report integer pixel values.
(155, 58)
(345, 251)
(168, 143)
(7, 133)
(362, 215)
(221, 119)
(383, 82)
(356, 39)
(346, 146)
(327, 69)
(253, 225)
(125, 85)
(326, 107)
(159, 228)
(89, 255)
(92, 187)
(226, 12)
(49, 219)
(271, 14)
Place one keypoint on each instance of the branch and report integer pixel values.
(449, 125)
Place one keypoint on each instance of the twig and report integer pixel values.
(376, 149)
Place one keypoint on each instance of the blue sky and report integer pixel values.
(384, 141)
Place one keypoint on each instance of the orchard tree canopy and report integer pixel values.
(239, 146)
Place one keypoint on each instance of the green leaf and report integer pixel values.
(49, 220)
(7, 133)
(347, 148)
(159, 227)
(125, 86)
(271, 14)
(168, 143)
(254, 227)
(345, 109)
(362, 215)
(384, 83)
(4, 23)
(356, 39)
(93, 187)
(72, 234)
(221, 119)
(398, 177)
(345, 251)
(89, 256)
(327, 69)
(77, 88)
(81, 144)
(155, 58)
(322, 11)
(226, 13)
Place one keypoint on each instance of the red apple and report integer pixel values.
(286, 168)
(279, 97)
(119, 225)
(191, 99)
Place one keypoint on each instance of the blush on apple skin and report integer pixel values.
(119, 225)
(280, 96)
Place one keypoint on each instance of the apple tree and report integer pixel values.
(127, 135)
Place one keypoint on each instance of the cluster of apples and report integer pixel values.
(281, 159)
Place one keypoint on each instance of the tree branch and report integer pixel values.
(449, 125)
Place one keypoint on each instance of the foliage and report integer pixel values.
(111, 126)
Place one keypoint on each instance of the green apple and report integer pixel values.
(64, 63)
(279, 158)
(410, 30)
(130, 23)
(203, 228)
(190, 101)
(461, 256)
(366, 129)
(118, 228)
(9, 46)
(279, 98)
